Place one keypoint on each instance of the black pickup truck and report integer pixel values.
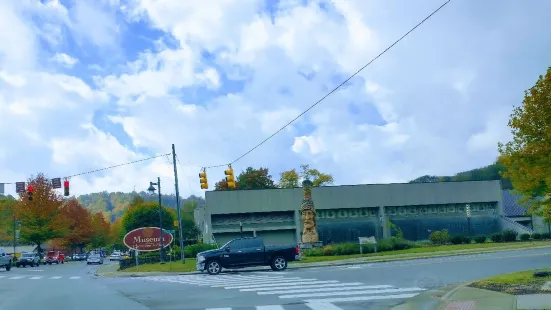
(246, 252)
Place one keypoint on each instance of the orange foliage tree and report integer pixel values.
(41, 218)
(80, 225)
(100, 231)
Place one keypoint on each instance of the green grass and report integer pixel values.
(430, 251)
(522, 277)
(177, 266)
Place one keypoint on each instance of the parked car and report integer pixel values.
(5, 260)
(80, 256)
(246, 252)
(54, 257)
(94, 259)
(115, 256)
(28, 259)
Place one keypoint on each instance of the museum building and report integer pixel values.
(347, 212)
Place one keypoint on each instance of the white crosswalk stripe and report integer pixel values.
(316, 294)
(29, 277)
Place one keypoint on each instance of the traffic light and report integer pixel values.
(65, 188)
(175, 223)
(230, 179)
(30, 191)
(203, 179)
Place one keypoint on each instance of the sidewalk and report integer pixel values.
(469, 298)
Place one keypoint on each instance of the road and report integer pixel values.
(367, 286)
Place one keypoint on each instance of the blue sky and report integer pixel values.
(89, 84)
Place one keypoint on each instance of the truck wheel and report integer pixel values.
(8, 266)
(279, 263)
(213, 267)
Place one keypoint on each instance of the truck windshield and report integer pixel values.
(226, 244)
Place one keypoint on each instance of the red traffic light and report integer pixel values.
(65, 183)
(30, 189)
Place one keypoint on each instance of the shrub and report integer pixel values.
(346, 248)
(456, 239)
(536, 236)
(525, 237)
(440, 237)
(466, 239)
(509, 235)
(497, 237)
(385, 245)
(546, 236)
(328, 250)
(480, 239)
(313, 252)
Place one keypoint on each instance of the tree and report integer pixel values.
(116, 233)
(41, 218)
(80, 225)
(290, 178)
(7, 205)
(100, 231)
(146, 214)
(527, 156)
(249, 179)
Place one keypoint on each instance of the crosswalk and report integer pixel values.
(313, 293)
(32, 277)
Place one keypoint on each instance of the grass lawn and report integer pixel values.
(431, 251)
(166, 267)
(517, 283)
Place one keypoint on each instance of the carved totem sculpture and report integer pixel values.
(308, 211)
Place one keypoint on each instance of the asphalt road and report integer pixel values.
(367, 286)
(65, 286)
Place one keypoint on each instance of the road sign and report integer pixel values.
(367, 240)
(147, 239)
(56, 183)
(20, 187)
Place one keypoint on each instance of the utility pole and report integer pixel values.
(180, 228)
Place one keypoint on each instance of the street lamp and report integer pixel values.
(468, 211)
(151, 190)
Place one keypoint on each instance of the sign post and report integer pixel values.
(367, 240)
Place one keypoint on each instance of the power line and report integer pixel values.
(338, 86)
(185, 174)
(110, 167)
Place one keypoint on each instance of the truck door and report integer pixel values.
(252, 252)
(233, 253)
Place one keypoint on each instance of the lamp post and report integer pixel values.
(468, 211)
(151, 189)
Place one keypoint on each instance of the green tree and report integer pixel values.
(146, 214)
(250, 178)
(527, 156)
(7, 206)
(291, 178)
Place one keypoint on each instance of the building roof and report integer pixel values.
(511, 207)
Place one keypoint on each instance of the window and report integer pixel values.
(238, 244)
(253, 243)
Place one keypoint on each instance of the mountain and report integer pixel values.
(112, 205)
(491, 172)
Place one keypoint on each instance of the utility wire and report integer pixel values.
(336, 88)
(110, 167)
(186, 176)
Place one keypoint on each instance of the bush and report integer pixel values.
(536, 236)
(497, 237)
(346, 248)
(525, 237)
(440, 237)
(385, 245)
(456, 239)
(192, 250)
(313, 252)
(546, 236)
(480, 239)
(466, 239)
(509, 235)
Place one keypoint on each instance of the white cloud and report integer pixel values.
(431, 105)
(65, 60)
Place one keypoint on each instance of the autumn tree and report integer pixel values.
(292, 178)
(79, 225)
(527, 156)
(116, 233)
(100, 231)
(41, 218)
(146, 214)
(7, 205)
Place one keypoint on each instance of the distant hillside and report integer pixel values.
(491, 172)
(112, 205)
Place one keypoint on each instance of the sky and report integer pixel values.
(90, 84)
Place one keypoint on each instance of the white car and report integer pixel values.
(115, 256)
(94, 259)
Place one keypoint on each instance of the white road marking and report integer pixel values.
(349, 293)
(274, 307)
(280, 283)
(361, 298)
(218, 309)
(327, 289)
(35, 278)
(74, 278)
(55, 278)
(322, 306)
(255, 289)
(17, 278)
